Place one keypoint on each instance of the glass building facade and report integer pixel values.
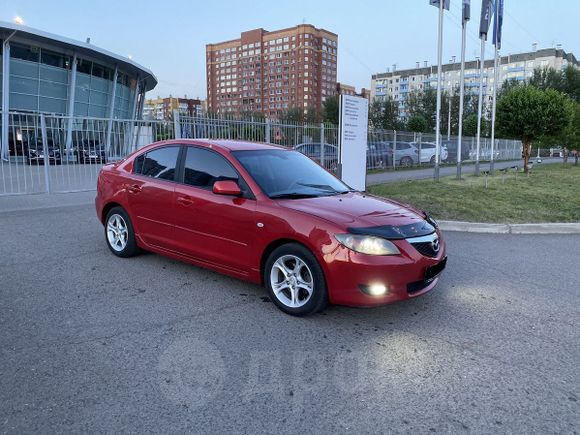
(42, 77)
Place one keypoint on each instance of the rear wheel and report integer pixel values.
(119, 233)
(295, 280)
(432, 161)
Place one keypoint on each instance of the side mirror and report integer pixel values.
(226, 187)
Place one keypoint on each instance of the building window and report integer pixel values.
(24, 52)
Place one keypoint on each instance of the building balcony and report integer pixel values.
(474, 85)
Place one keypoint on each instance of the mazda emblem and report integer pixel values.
(435, 245)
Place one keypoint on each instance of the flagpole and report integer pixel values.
(496, 42)
(461, 98)
(438, 115)
(495, 84)
(480, 104)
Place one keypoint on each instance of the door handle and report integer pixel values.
(135, 188)
(184, 200)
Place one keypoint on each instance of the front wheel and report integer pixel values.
(119, 233)
(406, 162)
(295, 280)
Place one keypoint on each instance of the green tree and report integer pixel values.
(312, 116)
(507, 86)
(384, 114)
(528, 113)
(417, 124)
(547, 78)
(570, 136)
(566, 81)
(424, 103)
(470, 125)
(571, 76)
(573, 141)
(330, 109)
(293, 115)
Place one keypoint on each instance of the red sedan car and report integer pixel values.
(268, 215)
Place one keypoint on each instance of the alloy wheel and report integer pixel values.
(291, 280)
(117, 232)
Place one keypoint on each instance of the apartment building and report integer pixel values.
(272, 71)
(397, 84)
(162, 108)
(344, 89)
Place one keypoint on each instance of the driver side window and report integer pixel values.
(204, 167)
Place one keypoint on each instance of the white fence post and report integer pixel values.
(45, 152)
(394, 148)
(322, 147)
(176, 125)
(268, 127)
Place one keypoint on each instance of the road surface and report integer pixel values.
(93, 343)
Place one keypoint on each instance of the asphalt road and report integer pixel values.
(93, 343)
(467, 168)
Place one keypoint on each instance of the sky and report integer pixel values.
(169, 37)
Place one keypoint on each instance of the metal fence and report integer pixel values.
(52, 153)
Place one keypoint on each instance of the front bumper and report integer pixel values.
(405, 276)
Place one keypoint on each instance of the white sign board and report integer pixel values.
(354, 119)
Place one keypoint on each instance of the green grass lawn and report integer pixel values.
(550, 194)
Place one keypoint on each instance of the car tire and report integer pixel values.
(432, 161)
(406, 162)
(298, 278)
(119, 233)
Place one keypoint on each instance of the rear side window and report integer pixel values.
(203, 168)
(159, 163)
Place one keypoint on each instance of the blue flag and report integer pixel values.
(436, 3)
(497, 23)
(485, 19)
(466, 10)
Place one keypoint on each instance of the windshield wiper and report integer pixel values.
(324, 187)
(294, 195)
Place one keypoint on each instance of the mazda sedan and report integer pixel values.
(272, 216)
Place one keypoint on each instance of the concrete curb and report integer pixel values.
(480, 227)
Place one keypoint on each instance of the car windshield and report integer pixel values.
(289, 174)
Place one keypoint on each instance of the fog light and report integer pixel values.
(374, 289)
(377, 289)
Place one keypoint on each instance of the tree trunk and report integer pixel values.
(565, 155)
(526, 152)
(576, 159)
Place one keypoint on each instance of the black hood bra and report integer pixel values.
(417, 229)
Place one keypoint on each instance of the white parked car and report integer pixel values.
(484, 154)
(427, 153)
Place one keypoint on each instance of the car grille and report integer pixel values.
(426, 245)
(426, 249)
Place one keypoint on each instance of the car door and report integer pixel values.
(402, 150)
(427, 151)
(218, 229)
(150, 192)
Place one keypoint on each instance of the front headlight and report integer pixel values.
(367, 244)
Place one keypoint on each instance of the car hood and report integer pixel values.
(356, 210)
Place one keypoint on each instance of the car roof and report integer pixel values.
(224, 144)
